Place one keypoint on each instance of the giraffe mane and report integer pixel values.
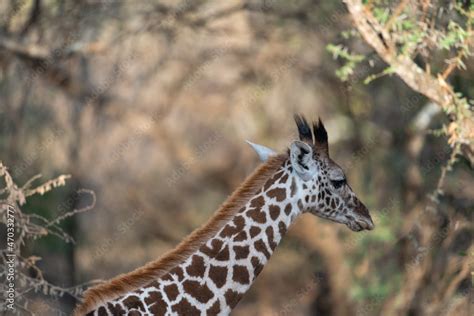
(153, 270)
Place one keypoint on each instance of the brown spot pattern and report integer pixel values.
(133, 302)
(101, 311)
(239, 222)
(283, 179)
(272, 180)
(198, 291)
(257, 215)
(185, 308)
(241, 236)
(197, 267)
(282, 228)
(218, 275)
(232, 298)
(214, 309)
(166, 277)
(223, 255)
(216, 245)
(278, 193)
(260, 246)
(254, 231)
(157, 303)
(293, 187)
(271, 237)
(257, 266)
(171, 291)
(230, 230)
(241, 275)
(274, 211)
(116, 309)
(241, 252)
(257, 202)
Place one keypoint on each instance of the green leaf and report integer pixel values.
(351, 60)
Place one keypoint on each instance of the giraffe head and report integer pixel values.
(323, 187)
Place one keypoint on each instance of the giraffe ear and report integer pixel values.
(301, 157)
(263, 152)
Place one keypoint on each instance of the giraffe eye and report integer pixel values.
(338, 183)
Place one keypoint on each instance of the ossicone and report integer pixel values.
(316, 136)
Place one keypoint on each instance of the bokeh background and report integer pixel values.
(148, 104)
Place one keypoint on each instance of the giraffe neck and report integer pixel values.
(215, 277)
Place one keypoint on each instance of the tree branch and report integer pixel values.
(376, 36)
(461, 128)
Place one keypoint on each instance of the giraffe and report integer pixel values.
(209, 272)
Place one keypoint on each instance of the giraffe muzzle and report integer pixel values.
(363, 220)
(360, 224)
(366, 224)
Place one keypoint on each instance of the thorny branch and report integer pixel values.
(30, 226)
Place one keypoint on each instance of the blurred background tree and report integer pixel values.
(148, 104)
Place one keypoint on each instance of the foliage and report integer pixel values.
(351, 60)
(436, 37)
